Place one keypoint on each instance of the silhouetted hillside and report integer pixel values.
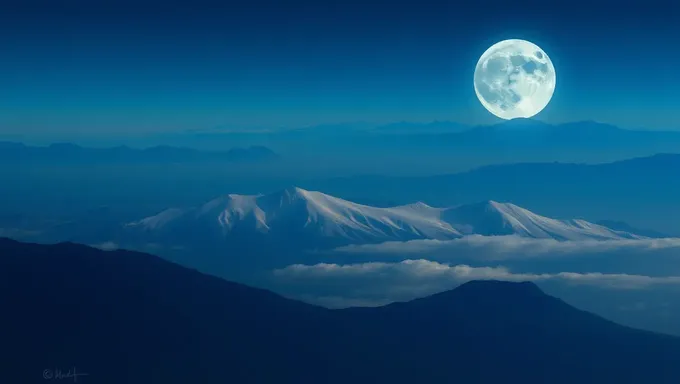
(126, 317)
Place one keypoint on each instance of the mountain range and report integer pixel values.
(523, 132)
(439, 127)
(113, 317)
(311, 219)
(425, 149)
(18, 153)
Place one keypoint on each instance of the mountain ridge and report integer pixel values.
(317, 214)
(129, 317)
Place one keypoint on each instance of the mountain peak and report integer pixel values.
(487, 207)
(522, 123)
(335, 221)
(418, 205)
(293, 193)
(498, 288)
(296, 190)
(493, 204)
(483, 296)
(494, 289)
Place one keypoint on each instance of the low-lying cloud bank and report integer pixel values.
(379, 282)
(509, 247)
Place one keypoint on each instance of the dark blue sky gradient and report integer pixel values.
(97, 68)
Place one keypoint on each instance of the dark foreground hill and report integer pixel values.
(125, 317)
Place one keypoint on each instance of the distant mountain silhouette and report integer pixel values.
(523, 132)
(421, 128)
(17, 153)
(515, 134)
(125, 317)
(585, 127)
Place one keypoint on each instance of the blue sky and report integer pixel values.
(97, 68)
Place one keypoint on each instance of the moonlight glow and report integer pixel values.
(514, 78)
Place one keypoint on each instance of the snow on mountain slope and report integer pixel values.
(298, 211)
(296, 214)
(160, 220)
(497, 219)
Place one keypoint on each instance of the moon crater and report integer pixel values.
(514, 79)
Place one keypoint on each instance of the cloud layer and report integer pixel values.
(380, 282)
(509, 247)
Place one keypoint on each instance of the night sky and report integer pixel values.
(95, 68)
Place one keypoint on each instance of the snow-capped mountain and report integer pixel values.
(314, 219)
(297, 212)
(497, 219)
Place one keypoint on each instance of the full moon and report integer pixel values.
(514, 78)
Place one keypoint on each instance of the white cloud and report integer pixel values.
(379, 282)
(509, 247)
(426, 269)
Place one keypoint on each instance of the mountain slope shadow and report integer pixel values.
(134, 318)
